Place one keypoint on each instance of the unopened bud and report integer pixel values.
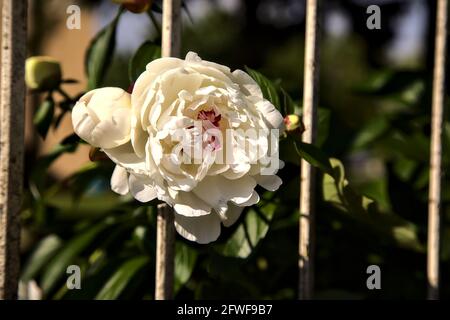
(293, 122)
(42, 73)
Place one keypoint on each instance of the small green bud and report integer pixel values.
(42, 73)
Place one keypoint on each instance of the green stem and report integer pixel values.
(64, 94)
(154, 21)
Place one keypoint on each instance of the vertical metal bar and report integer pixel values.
(165, 253)
(12, 118)
(165, 238)
(434, 198)
(171, 25)
(307, 197)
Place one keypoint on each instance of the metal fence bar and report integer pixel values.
(165, 253)
(307, 197)
(165, 238)
(434, 198)
(12, 118)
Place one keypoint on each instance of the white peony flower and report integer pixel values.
(102, 117)
(194, 134)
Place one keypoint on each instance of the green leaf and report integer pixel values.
(405, 86)
(377, 189)
(72, 208)
(268, 88)
(146, 53)
(323, 125)
(100, 52)
(120, 279)
(66, 256)
(337, 191)
(371, 132)
(388, 82)
(314, 156)
(415, 145)
(404, 168)
(39, 172)
(287, 151)
(185, 259)
(333, 185)
(42, 253)
(44, 116)
(288, 106)
(250, 232)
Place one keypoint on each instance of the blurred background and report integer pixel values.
(375, 116)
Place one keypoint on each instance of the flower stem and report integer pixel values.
(64, 94)
(154, 21)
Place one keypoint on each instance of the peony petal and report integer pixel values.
(102, 117)
(217, 168)
(104, 101)
(271, 114)
(201, 229)
(237, 171)
(125, 156)
(189, 205)
(113, 132)
(247, 82)
(161, 65)
(141, 191)
(172, 83)
(254, 199)
(208, 160)
(231, 215)
(146, 79)
(138, 138)
(83, 124)
(242, 190)
(152, 99)
(193, 58)
(271, 183)
(217, 191)
(119, 181)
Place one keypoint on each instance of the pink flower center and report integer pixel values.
(210, 116)
(210, 119)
